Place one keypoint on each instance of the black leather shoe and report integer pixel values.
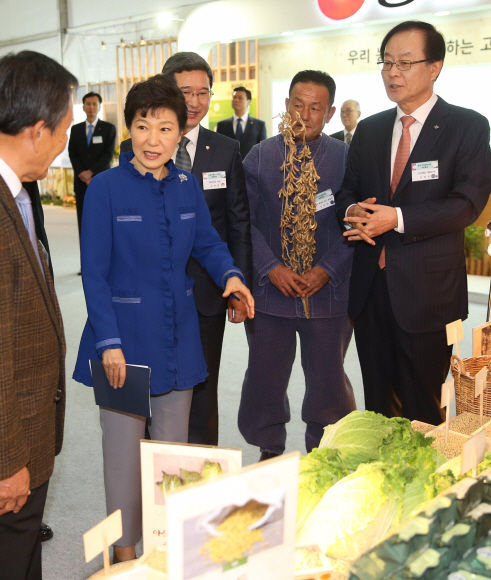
(267, 455)
(45, 532)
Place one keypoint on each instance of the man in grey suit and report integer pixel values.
(277, 289)
(246, 129)
(350, 113)
(205, 154)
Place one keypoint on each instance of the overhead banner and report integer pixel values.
(379, 9)
(221, 103)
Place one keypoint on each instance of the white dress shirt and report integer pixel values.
(244, 120)
(93, 126)
(24, 204)
(191, 146)
(420, 114)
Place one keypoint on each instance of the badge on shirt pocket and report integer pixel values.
(214, 180)
(424, 170)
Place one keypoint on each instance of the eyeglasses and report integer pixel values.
(348, 111)
(386, 65)
(202, 95)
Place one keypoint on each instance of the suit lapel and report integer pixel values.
(204, 153)
(249, 127)
(386, 128)
(20, 228)
(430, 133)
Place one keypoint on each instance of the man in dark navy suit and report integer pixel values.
(417, 176)
(211, 157)
(91, 148)
(246, 129)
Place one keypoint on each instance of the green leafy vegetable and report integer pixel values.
(358, 437)
(352, 515)
(319, 471)
(211, 470)
(189, 476)
(169, 482)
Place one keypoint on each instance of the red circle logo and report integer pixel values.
(340, 9)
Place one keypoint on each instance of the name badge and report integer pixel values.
(214, 180)
(424, 170)
(97, 139)
(323, 200)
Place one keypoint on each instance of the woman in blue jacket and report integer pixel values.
(141, 223)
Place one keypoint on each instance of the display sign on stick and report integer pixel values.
(473, 452)
(242, 523)
(455, 332)
(100, 537)
(448, 395)
(480, 385)
(167, 466)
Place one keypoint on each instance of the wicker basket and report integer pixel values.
(463, 371)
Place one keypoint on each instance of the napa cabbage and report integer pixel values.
(319, 470)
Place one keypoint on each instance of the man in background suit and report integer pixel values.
(33, 131)
(417, 176)
(246, 129)
(205, 153)
(350, 113)
(91, 148)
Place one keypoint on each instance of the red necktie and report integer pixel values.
(400, 163)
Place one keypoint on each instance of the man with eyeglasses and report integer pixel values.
(216, 162)
(417, 176)
(350, 113)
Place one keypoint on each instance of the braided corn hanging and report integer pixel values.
(298, 193)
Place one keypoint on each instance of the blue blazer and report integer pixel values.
(137, 236)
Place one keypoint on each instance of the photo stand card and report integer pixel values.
(237, 527)
(169, 466)
(481, 339)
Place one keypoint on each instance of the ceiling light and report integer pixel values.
(123, 43)
(164, 19)
(358, 24)
(442, 13)
(142, 41)
(103, 45)
(287, 33)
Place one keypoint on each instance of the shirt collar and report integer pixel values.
(94, 123)
(421, 113)
(193, 135)
(244, 117)
(10, 178)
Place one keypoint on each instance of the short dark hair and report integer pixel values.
(434, 42)
(157, 92)
(316, 77)
(187, 61)
(244, 90)
(33, 88)
(92, 94)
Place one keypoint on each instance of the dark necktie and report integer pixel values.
(238, 130)
(349, 136)
(402, 156)
(89, 134)
(183, 160)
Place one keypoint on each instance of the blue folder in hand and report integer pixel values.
(133, 397)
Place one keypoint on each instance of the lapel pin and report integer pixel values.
(207, 147)
(437, 127)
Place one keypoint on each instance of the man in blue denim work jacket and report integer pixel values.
(277, 290)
